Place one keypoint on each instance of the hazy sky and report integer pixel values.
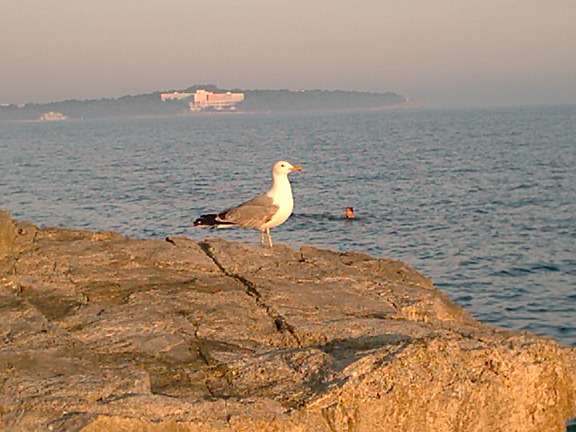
(440, 52)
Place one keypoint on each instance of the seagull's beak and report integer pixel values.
(296, 168)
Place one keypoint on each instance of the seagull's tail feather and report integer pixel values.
(211, 220)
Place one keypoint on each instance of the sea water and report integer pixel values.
(481, 201)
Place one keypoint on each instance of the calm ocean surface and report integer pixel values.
(481, 201)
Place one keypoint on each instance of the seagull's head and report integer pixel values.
(284, 168)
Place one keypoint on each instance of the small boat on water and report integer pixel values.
(51, 116)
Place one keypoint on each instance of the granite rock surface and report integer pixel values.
(99, 332)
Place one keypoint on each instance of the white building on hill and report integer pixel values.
(220, 101)
(174, 96)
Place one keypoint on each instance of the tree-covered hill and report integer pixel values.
(316, 100)
(254, 101)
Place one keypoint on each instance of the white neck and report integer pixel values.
(280, 187)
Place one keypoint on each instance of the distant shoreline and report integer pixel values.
(256, 101)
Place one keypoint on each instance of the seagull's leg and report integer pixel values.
(261, 237)
(269, 237)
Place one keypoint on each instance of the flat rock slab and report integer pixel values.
(99, 332)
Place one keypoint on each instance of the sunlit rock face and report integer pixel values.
(104, 333)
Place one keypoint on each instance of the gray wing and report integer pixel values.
(251, 214)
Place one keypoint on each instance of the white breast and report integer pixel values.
(281, 193)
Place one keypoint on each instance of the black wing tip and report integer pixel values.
(206, 220)
(210, 220)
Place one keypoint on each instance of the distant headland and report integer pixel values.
(206, 98)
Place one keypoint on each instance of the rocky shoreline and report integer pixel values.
(104, 333)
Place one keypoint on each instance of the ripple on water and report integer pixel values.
(482, 202)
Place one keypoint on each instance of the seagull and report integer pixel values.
(262, 212)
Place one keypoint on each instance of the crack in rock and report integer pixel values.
(280, 322)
